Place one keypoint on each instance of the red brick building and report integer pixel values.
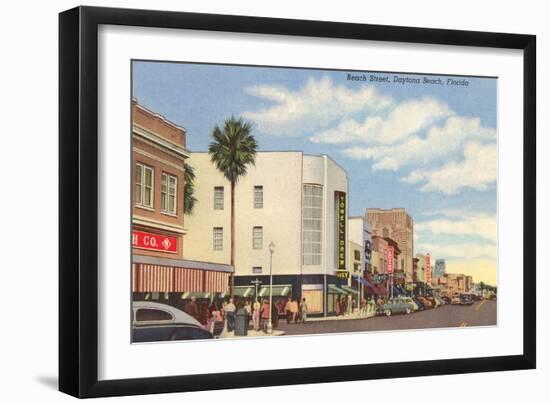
(159, 268)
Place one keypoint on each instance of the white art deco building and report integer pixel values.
(298, 202)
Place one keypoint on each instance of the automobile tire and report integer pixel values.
(388, 312)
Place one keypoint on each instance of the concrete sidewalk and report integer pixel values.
(251, 334)
(352, 316)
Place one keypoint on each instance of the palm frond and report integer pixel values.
(189, 199)
(233, 148)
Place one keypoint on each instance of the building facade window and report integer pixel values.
(357, 255)
(218, 239)
(256, 270)
(168, 193)
(218, 198)
(257, 237)
(258, 197)
(144, 185)
(312, 231)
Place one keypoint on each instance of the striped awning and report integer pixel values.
(161, 278)
(152, 278)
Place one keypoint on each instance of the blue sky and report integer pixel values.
(430, 148)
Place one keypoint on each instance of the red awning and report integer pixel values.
(381, 289)
(153, 278)
(160, 278)
(216, 282)
(374, 288)
(188, 280)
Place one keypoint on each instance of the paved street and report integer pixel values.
(479, 314)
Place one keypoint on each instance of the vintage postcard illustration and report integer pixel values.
(275, 201)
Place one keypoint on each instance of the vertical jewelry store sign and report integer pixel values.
(341, 228)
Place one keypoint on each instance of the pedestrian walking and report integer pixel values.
(344, 305)
(230, 315)
(288, 312)
(192, 308)
(256, 315)
(274, 316)
(294, 310)
(303, 310)
(363, 307)
(248, 308)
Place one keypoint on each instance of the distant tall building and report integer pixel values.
(396, 224)
(439, 269)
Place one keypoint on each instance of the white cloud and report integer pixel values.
(441, 150)
(477, 171)
(438, 143)
(318, 104)
(464, 224)
(468, 235)
(405, 119)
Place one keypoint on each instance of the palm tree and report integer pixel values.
(232, 151)
(189, 199)
(482, 286)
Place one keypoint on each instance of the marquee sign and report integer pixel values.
(389, 258)
(341, 228)
(154, 242)
(342, 274)
(428, 269)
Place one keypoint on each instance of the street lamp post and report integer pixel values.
(271, 250)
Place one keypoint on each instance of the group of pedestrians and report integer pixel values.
(296, 312)
(258, 311)
(344, 305)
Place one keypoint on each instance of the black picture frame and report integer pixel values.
(78, 200)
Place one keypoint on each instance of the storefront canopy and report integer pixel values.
(372, 288)
(277, 290)
(349, 289)
(243, 291)
(160, 278)
(363, 281)
(336, 290)
(197, 295)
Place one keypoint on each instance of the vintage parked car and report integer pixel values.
(411, 301)
(395, 306)
(146, 312)
(427, 304)
(169, 332)
(466, 299)
(418, 303)
(435, 301)
(154, 322)
(455, 299)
